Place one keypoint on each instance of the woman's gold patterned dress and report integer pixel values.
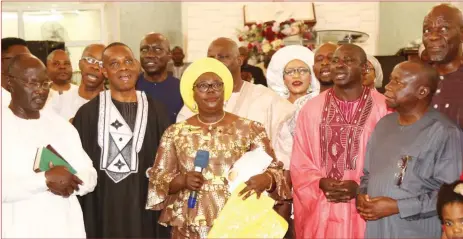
(226, 143)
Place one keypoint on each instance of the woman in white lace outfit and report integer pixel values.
(290, 74)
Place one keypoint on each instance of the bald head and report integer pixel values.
(421, 73)
(90, 66)
(226, 50)
(226, 43)
(354, 50)
(20, 63)
(443, 34)
(329, 46)
(94, 51)
(155, 54)
(322, 63)
(412, 86)
(347, 66)
(447, 11)
(29, 85)
(154, 37)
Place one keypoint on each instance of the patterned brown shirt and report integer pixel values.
(449, 96)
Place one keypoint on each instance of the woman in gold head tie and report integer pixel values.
(205, 86)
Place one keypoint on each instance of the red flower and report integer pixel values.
(292, 20)
(240, 39)
(307, 35)
(249, 46)
(269, 34)
(280, 35)
(259, 25)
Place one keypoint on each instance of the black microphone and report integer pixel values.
(201, 162)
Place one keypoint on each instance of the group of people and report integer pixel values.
(347, 161)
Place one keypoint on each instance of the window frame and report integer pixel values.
(97, 6)
(21, 9)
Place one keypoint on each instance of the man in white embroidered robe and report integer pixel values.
(120, 130)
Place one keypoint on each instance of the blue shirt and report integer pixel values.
(166, 92)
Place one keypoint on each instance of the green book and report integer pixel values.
(46, 155)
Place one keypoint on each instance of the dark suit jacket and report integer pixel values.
(256, 73)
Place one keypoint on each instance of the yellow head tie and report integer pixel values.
(196, 69)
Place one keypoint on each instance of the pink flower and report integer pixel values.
(259, 48)
(307, 35)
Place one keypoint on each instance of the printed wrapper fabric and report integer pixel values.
(250, 218)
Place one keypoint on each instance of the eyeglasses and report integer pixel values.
(46, 85)
(204, 87)
(402, 165)
(370, 69)
(292, 71)
(92, 60)
(6, 58)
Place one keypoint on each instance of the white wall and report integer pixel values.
(194, 25)
(112, 22)
(203, 22)
(357, 16)
(139, 18)
(402, 23)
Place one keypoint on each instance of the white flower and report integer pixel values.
(266, 47)
(286, 31)
(275, 44)
(276, 28)
(459, 189)
(254, 26)
(265, 41)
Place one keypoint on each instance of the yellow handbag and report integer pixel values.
(250, 218)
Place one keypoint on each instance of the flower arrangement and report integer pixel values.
(261, 38)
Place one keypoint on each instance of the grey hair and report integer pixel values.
(52, 54)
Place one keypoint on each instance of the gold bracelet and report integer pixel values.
(271, 182)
